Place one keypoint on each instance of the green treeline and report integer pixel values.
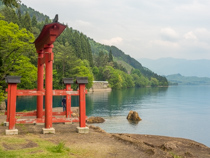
(74, 55)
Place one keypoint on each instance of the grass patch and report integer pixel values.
(60, 148)
(32, 146)
(175, 156)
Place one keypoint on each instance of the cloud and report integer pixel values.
(163, 43)
(168, 34)
(190, 36)
(149, 28)
(83, 23)
(112, 41)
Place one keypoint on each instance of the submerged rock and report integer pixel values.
(95, 120)
(133, 116)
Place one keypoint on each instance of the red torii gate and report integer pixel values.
(44, 45)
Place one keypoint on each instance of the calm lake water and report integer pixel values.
(177, 111)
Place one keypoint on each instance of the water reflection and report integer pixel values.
(100, 103)
(118, 101)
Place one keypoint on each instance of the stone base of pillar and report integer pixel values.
(83, 129)
(11, 131)
(48, 130)
(6, 123)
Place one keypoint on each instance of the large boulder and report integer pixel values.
(95, 120)
(133, 116)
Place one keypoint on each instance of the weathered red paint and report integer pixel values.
(12, 105)
(40, 84)
(82, 105)
(68, 101)
(48, 85)
(54, 120)
(8, 101)
(49, 34)
(21, 92)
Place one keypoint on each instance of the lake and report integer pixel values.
(177, 111)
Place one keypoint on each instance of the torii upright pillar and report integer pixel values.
(48, 86)
(40, 83)
(82, 105)
(44, 44)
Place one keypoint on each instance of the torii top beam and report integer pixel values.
(49, 34)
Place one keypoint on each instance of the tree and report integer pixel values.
(10, 15)
(28, 72)
(19, 17)
(13, 44)
(11, 3)
(110, 56)
(27, 22)
(34, 21)
(154, 82)
(77, 45)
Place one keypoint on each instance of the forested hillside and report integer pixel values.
(120, 56)
(74, 55)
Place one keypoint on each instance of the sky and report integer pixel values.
(140, 28)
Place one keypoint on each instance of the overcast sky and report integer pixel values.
(141, 28)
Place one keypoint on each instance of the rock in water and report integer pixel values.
(95, 120)
(133, 116)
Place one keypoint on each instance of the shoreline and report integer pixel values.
(99, 143)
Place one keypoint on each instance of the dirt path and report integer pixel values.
(98, 143)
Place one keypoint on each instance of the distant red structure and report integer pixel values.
(44, 45)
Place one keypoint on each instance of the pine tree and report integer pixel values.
(19, 17)
(27, 22)
(110, 56)
(77, 45)
(10, 15)
(11, 3)
(34, 21)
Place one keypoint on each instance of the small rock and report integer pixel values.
(95, 120)
(133, 116)
(74, 115)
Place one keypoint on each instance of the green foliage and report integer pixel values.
(139, 79)
(14, 44)
(10, 15)
(66, 65)
(27, 71)
(26, 23)
(11, 3)
(34, 21)
(121, 56)
(40, 16)
(75, 55)
(110, 56)
(1, 94)
(60, 148)
(154, 82)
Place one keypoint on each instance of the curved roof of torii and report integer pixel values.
(49, 34)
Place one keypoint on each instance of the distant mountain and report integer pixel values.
(126, 60)
(168, 66)
(192, 80)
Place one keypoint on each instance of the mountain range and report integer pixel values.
(169, 66)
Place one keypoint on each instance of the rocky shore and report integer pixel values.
(98, 143)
